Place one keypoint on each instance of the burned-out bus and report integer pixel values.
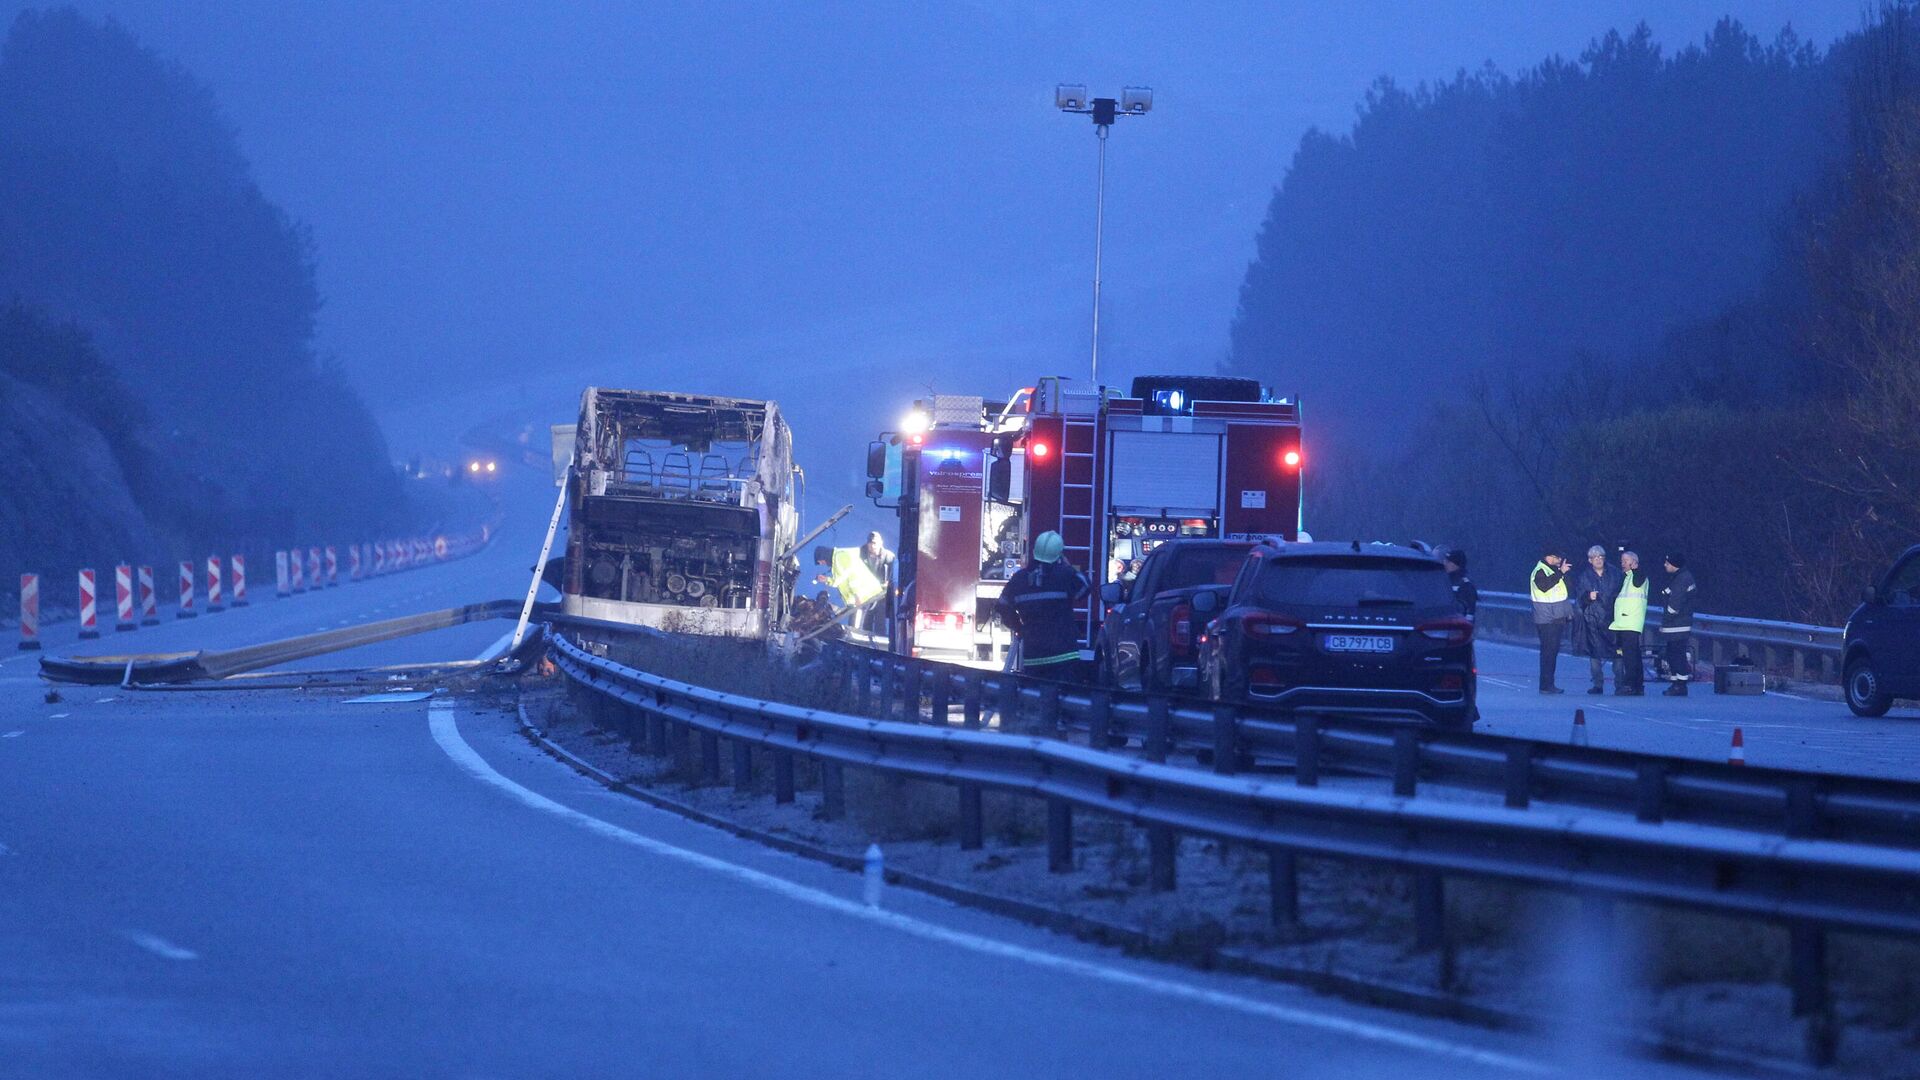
(681, 513)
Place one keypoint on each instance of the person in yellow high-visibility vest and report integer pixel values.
(1629, 622)
(1552, 610)
(848, 575)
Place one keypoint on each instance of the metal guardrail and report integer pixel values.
(1810, 884)
(1517, 771)
(219, 664)
(1801, 649)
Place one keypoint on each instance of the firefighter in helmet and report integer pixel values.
(1037, 605)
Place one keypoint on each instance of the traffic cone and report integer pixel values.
(1579, 736)
(1737, 753)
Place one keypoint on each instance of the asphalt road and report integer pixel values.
(290, 883)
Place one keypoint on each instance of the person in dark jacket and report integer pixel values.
(1676, 623)
(1037, 605)
(1594, 588)
(1464, 592)
(1547, 587)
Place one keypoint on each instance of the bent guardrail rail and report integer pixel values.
(219, 664)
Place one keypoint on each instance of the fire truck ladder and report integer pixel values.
(1079, 476)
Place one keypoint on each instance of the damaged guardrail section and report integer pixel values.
(1808, 884)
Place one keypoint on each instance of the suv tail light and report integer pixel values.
(1265, 624)
(1180, 628)
(1455, 631)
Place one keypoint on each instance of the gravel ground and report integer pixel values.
(1683, 979)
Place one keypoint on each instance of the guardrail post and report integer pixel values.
(1163, 857)
(833, 791)
(633, 719)
(1009, 702)
(1306, 751)
(1099, 719)
(1519, 775)
(657, 735)
(889, 675)
(1429, 910)
(1159, 719)
(1283, 887)
(1799, 657)
(1226, 740)
(782, 776)
(1807, 948)
(1059, 836)
(942, 690)
(1049, 710)
(1650, 792)
(709, 758)
(972, 829)
(742, 764)
(970, 698)
(863, 687)
(1406, 761)
(911, 686)
(1803, 809)
(682, 739)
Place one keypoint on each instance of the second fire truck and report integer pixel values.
(1115, 474)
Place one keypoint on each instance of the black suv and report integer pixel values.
(1147, 638)
(1880, 659)
(1370, 629)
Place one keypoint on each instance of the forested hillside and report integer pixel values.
(158, 308)
(1646, 298)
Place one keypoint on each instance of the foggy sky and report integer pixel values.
(841, 206)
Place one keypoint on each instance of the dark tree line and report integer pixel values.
(132, 231)
(1673, 301)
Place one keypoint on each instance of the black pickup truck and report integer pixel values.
(1146, 640)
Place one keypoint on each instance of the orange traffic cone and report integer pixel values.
(1579, 736)
(1737, 753)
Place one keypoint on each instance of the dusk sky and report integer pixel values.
(795, 201)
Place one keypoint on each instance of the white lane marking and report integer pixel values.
(446, 732)
(12, 735)
(103, 701)
(59, 716)
(161, 947)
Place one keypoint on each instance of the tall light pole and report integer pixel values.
(1133, 101)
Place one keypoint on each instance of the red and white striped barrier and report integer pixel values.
(333, 567)
(299, 573)
(314, 580)
(282, 584)
(353, 562)
(89, 607)
(123, 598)
(29, 611)
(149, 599)
(214, 600)
(238, 571)
(186, 592)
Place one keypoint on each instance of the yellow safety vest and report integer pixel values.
(1555, 595)
(1630, 607)
(853, 578)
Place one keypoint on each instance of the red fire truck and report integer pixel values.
(1115, 474)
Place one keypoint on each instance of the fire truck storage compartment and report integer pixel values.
(659, 552)
(1166, 471)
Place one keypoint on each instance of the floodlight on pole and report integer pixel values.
(1133, 101)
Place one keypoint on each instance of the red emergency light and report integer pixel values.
(1039, 450)
(1291, 459)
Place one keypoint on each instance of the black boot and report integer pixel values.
(1675, 689)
